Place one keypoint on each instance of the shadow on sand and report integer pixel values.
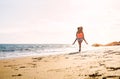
(73, 53)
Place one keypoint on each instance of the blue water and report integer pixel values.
(20, 50)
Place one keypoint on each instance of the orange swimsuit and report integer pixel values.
(80, 35)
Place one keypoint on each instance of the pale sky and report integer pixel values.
(56, 21)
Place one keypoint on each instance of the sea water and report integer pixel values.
(20, 50)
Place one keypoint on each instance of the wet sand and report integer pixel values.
(103, 63)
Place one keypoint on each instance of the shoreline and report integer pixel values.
(101, 63)
(60, 53)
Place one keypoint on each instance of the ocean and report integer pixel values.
(22, 50)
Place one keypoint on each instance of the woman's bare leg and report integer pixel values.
(79, 42)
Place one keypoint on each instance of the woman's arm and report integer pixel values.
(84, 39)
(74, 41)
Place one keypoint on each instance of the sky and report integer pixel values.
(56, 21)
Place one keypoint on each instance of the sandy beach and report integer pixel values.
(101, 63)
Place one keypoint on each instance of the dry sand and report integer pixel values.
(103, 63)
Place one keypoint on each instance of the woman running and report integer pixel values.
(80, 37)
